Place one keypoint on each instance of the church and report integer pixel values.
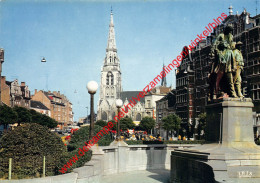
(111, 87)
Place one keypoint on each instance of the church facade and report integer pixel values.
(111, 87)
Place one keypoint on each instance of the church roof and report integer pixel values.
(129, 94)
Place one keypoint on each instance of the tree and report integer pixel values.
(126, 123)
(42, 119)
(171, 122)
(7, 115)
(202, 124)
(24, 115)
(101, 123)
(27, 144)
(147, 123)
(49, 122)
(81, 136)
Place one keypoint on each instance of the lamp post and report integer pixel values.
(119, 104)
(92, 87)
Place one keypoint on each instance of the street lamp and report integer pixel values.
(92, 87)
(43, 60)
(119, 104)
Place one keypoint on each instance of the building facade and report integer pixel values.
(5, 91)
(110, 85)
(164, 107)
(15, 94)
(59, 105)
(154, 95)
(39, 107)
(192, 86)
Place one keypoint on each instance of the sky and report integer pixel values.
(72, 36)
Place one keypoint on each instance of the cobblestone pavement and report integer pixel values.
(145, 176)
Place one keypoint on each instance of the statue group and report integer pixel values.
(227, 66)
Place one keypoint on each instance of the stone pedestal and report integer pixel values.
(231, 157)
(122, 154)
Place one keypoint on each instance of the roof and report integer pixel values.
(38, 105)
(129, 94)
(8, 82)
(51, 95)
(171, 97)
(162, 90)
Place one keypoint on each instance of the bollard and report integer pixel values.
(43, 171)
(10, 169)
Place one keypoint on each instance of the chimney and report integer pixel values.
(22, 83)
(35, 91)
(3, 78)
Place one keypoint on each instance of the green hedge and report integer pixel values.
(27, 145)
(81, 136)
(153, 142)
(134, 142)
(81, 161)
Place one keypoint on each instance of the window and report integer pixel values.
(104, 116)
(110, 78)
(138, 117)
(148, 103)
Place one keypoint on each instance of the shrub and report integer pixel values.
(26, 145)
(153, 142)
(81, 136)
(134, 142)
(101, 123)
(68, 155)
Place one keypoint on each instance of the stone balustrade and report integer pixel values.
(109, 160)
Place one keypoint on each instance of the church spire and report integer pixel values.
(111, 44)
(164, 82)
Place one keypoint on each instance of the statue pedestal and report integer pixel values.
(232, 156)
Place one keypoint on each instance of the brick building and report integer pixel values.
(5, 91)
(164, 107)
(39, 107)
(59, 105)
(192, 76)
(15, 94)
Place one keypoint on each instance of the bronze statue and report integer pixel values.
(226, 67)
(239, 67)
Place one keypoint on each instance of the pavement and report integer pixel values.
(144, 176)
